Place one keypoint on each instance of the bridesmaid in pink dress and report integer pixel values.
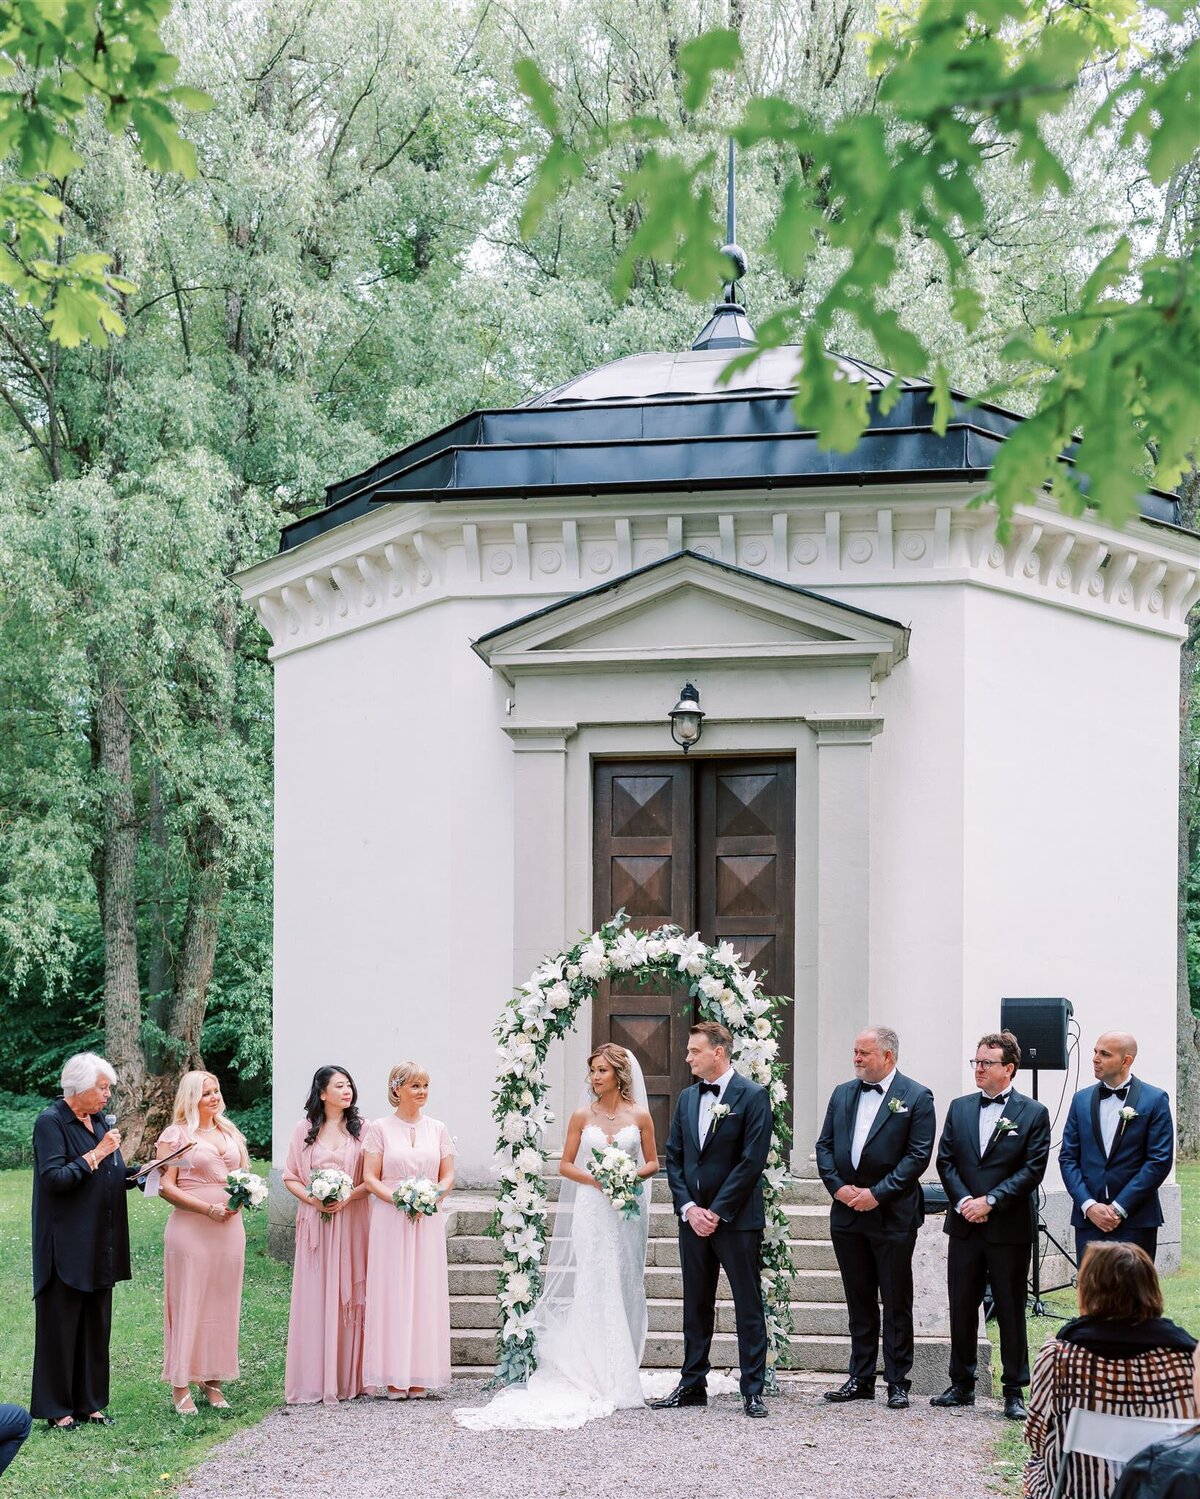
(407, 1346)
(204, 1248)
(325, 1331)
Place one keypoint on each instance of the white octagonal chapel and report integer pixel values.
(981, 735)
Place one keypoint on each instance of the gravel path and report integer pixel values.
(376, 1449)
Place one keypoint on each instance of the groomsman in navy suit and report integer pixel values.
(876, 1141)
(1117, 1148)
(992, 1157)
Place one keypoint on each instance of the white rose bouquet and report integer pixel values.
(245, 1190)
(418, 1197)
(617, 1177)
(329, 1185)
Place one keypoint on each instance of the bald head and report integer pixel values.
(1112, 1057)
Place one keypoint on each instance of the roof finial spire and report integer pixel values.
(729, 328)
(731, 248)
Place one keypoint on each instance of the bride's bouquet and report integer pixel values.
(245, 1190)
(617, 1177)
(418, 1197)
(329, 1185)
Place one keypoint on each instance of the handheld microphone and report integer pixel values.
(110, 1121)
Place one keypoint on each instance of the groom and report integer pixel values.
(716, 1153)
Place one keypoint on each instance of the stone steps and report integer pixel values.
(664, 1350)
(476, 1249)
(473, 1216)
(661, 1284)
(798, 1192)
(666, 1315)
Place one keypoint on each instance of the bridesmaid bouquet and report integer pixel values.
(245, 1190)
(617, 1177)
(329, 1185)
(418, 1197)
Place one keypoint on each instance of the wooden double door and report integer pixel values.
(708, 845)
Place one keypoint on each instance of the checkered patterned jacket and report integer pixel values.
(1157, 1382)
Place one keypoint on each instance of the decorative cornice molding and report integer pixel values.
(850, 728)
(400, 558)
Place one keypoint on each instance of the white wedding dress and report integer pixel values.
(590, 1322)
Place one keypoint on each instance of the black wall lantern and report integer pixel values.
(687, 718)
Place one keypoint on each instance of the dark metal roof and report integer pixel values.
(663, 423)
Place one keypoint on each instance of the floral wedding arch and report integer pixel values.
(544, 1009)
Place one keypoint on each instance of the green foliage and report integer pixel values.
(960, 81)
(18, 1113)
(57, 61)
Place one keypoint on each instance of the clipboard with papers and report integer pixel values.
(151, 1173)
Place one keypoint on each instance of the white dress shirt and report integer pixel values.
(991, 1111)
(869, 1104)
(704, 1118)
(1110, 1118)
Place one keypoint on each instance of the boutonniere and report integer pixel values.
(719, 1111)
(897, 1106)
(1127, 1113)
(1005, 1126)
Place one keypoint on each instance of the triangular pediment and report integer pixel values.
(691, 608)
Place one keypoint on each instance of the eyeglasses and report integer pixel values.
(983, 1062)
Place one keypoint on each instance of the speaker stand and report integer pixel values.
(1034, 1302)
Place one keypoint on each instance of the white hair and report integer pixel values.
(886, 1039)
(82, 1072)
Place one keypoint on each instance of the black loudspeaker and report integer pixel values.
(1040, 1025)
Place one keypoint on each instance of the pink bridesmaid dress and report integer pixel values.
(407, 1341)
(203, 1262)
(325, 1329)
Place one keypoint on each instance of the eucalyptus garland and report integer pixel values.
(544, 1009)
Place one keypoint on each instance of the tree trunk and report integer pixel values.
(1187, 1100)
(116, 888)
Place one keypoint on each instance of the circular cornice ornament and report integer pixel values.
(549, 561)
(859, 548)
(913, 547)
(545, 1009)
(600, 562)
(501, 562)
(806, 551)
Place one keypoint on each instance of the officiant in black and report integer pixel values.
(876, 1141)
(80, 1246)
(992, 1157)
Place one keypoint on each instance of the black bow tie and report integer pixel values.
(871, 1087)
(1106, 1092)
(714, 1088)
(985, 1102)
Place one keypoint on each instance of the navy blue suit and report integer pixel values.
(1129, 1177)
(725, 1176)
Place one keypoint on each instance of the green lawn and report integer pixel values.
(1181, 1293)
(150, 1449)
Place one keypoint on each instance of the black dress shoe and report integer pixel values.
(754, 1406)
(1014, 1408)
(897, 1397)
(71, 1425)
(956, 1395)
(853, 1389)
(101, 1418)
(681, 1395)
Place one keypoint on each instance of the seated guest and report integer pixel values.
(15, 1425)
(1121, 1356)
(1165, 1470)
(80, 1245)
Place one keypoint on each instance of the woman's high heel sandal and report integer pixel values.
(186, 1406)
(215, 1395)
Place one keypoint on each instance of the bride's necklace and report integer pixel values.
(598, 1110)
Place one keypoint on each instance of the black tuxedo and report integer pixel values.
(996, 1251)
(875, 1249)
(724, 1174)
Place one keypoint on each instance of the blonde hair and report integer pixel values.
(402, 1073)
(618, 1059)
(187, 1110)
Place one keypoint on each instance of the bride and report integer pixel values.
(590, 1320)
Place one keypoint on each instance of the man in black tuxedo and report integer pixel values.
(992, 1157)
(716, 1154)
(876, 1141)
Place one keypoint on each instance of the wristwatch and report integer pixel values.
(990, 1199)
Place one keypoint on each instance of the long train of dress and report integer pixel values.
(590, 1341)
